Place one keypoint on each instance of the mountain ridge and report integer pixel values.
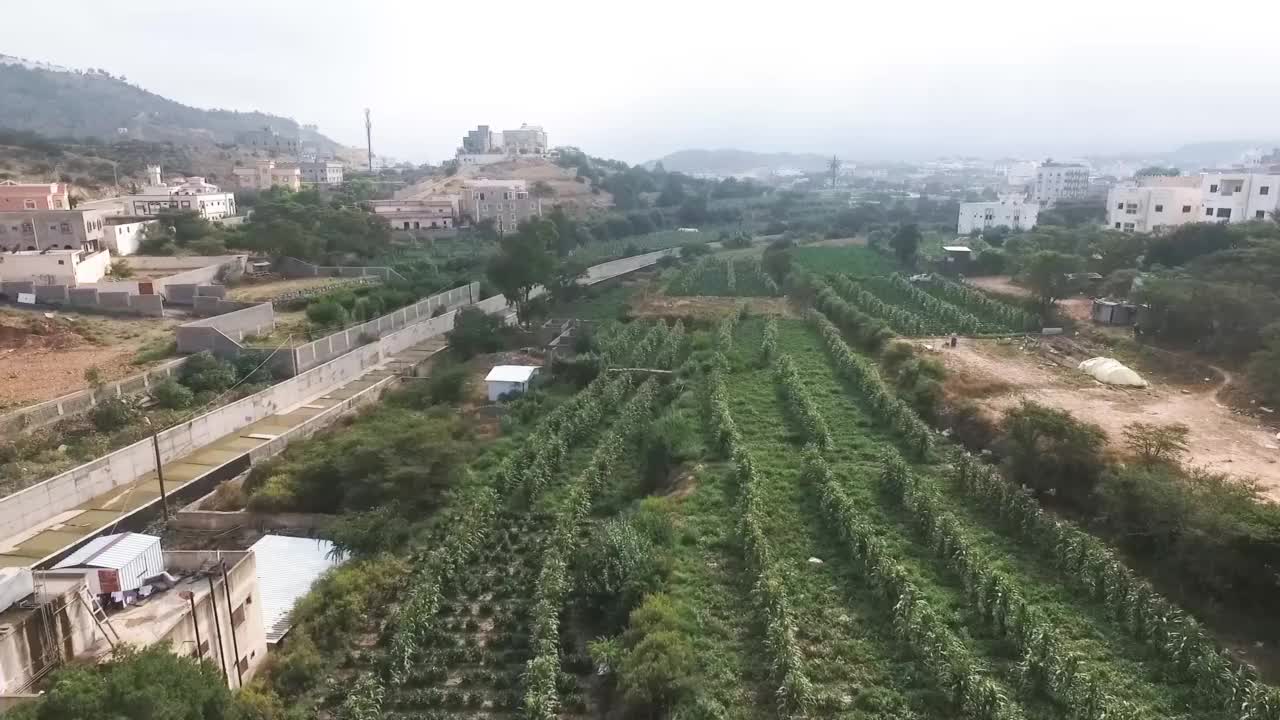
(60, 102)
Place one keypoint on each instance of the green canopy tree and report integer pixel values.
(524, 261)
(906, 243)
(1046, 274)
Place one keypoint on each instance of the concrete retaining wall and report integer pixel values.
(35, 416)
(92, 298)
(622, 266)
(38, 503)
(291, 267)
(214, 520)
(203, 334)
(326, 348)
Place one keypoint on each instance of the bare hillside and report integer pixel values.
(576, 197)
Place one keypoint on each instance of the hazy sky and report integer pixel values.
(636, 80)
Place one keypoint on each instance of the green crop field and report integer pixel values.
(853, 260)
(743, 519)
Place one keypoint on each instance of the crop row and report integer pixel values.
(871, 332)
(670, 350)
(769, 343)
(952, 666)
(618, 344)
(864, 376)
(981, 304)
(800, 406)
(1094, 570)
(794, 690)
(741, 277)
(538, 460)
(541, 699)
(998, 601)
(901, 319)
(952, 318)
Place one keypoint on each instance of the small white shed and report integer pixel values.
(123, 561)
(503, 379)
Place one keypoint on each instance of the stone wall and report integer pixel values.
(73, 404)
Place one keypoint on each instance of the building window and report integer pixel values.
(1208, 211)
(1260, 215)
(1224, 212)
(1128, 227)
(237, 617)
(1119, 206)
(62, 262)
(65, 228)
(28, 204)
(1213, 188)
(1159, 208)
(1264, 190)
(186, 203)
(1186, 208)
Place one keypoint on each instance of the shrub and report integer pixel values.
(297, 669)
(205, 373)
(172, 395)
(327, 314)
(277, 494)
(1154, 443)
(113, 414)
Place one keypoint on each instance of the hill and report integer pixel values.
(577, 198)
(57, 102)
(729, 161)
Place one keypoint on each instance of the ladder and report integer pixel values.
(99, 616)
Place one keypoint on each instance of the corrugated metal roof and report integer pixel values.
(511, 373)
(110, 551)
(287, 567)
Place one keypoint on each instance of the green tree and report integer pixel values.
(474, 332)
(1154, 443)
(150, 683)
(1046, 274)
(906, 243)
(524, 262)
(172, 395)
(1158, 171)
(120, 269)
(1050, 451)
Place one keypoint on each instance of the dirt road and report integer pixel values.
(1220, 440)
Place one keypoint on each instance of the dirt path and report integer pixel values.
(1000, 376)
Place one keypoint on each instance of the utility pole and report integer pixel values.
(155, 444)
(368, 136)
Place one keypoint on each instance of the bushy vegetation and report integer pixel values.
(202, 383)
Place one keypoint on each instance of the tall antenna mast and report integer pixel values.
(368, 136)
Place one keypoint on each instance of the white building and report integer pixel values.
(1020, 173)
(1152, 203)
(187, 194)
(528, 140)
(55, 266)
(1060, 181)
(122, 238)
(1239, 196)
(1011, 211)
(507, 379)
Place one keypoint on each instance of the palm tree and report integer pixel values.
(834, 168)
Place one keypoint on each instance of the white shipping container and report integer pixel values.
(117, 563)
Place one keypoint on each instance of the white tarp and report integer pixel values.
(1112, 372)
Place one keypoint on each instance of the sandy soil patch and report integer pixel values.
(42, 358)
(859, 241)
(1221, 440)
(1000, 284)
